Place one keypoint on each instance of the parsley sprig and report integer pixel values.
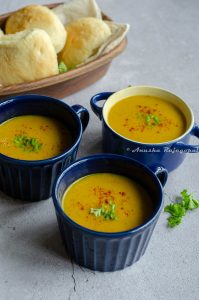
(62, 67)
(27, 144)
(152, 119)
(107, 212)
(178, 210)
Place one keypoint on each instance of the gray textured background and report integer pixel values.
(163, 51)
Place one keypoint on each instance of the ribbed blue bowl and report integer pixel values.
(102, 251)
(33, 180)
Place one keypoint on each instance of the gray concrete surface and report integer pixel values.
(163, 50)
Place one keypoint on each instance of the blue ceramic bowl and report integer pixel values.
(170, 154)
(108, 251)
(33, 180)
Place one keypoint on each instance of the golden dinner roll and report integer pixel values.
(85, 36)
(37, 16)
(26, 56)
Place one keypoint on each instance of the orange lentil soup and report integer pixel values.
(33, 137)
(147, 119)
(107, 202)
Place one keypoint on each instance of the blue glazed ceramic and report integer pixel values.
(170, 154)
(108, 251)
(33, 180)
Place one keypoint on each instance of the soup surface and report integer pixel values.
(107, 202)
(147, 119)
(33, 137)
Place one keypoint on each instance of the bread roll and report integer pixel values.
(37, 16)
(26, 56)
(85, 36)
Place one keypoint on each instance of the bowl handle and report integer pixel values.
(96, 98)
(83, 115)
(180, 146)
(160, 172)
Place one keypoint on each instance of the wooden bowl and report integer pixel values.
(65, 84)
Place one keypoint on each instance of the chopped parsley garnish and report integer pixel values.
(107, 212)
(152, 119)
(178, 210)
(27, 144)
(62, 67)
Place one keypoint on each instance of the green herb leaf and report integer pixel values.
(156, 120)
(152, 118)
(62, 67)
(174, 221)
(178, 210)
(188, 200)
(27, 144)
(108, 213)
(148, 119)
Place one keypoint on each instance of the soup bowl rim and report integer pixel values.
(51, 160)
(94, 157)
(188, 130)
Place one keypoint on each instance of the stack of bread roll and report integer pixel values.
(35, 42)
(28, 50)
